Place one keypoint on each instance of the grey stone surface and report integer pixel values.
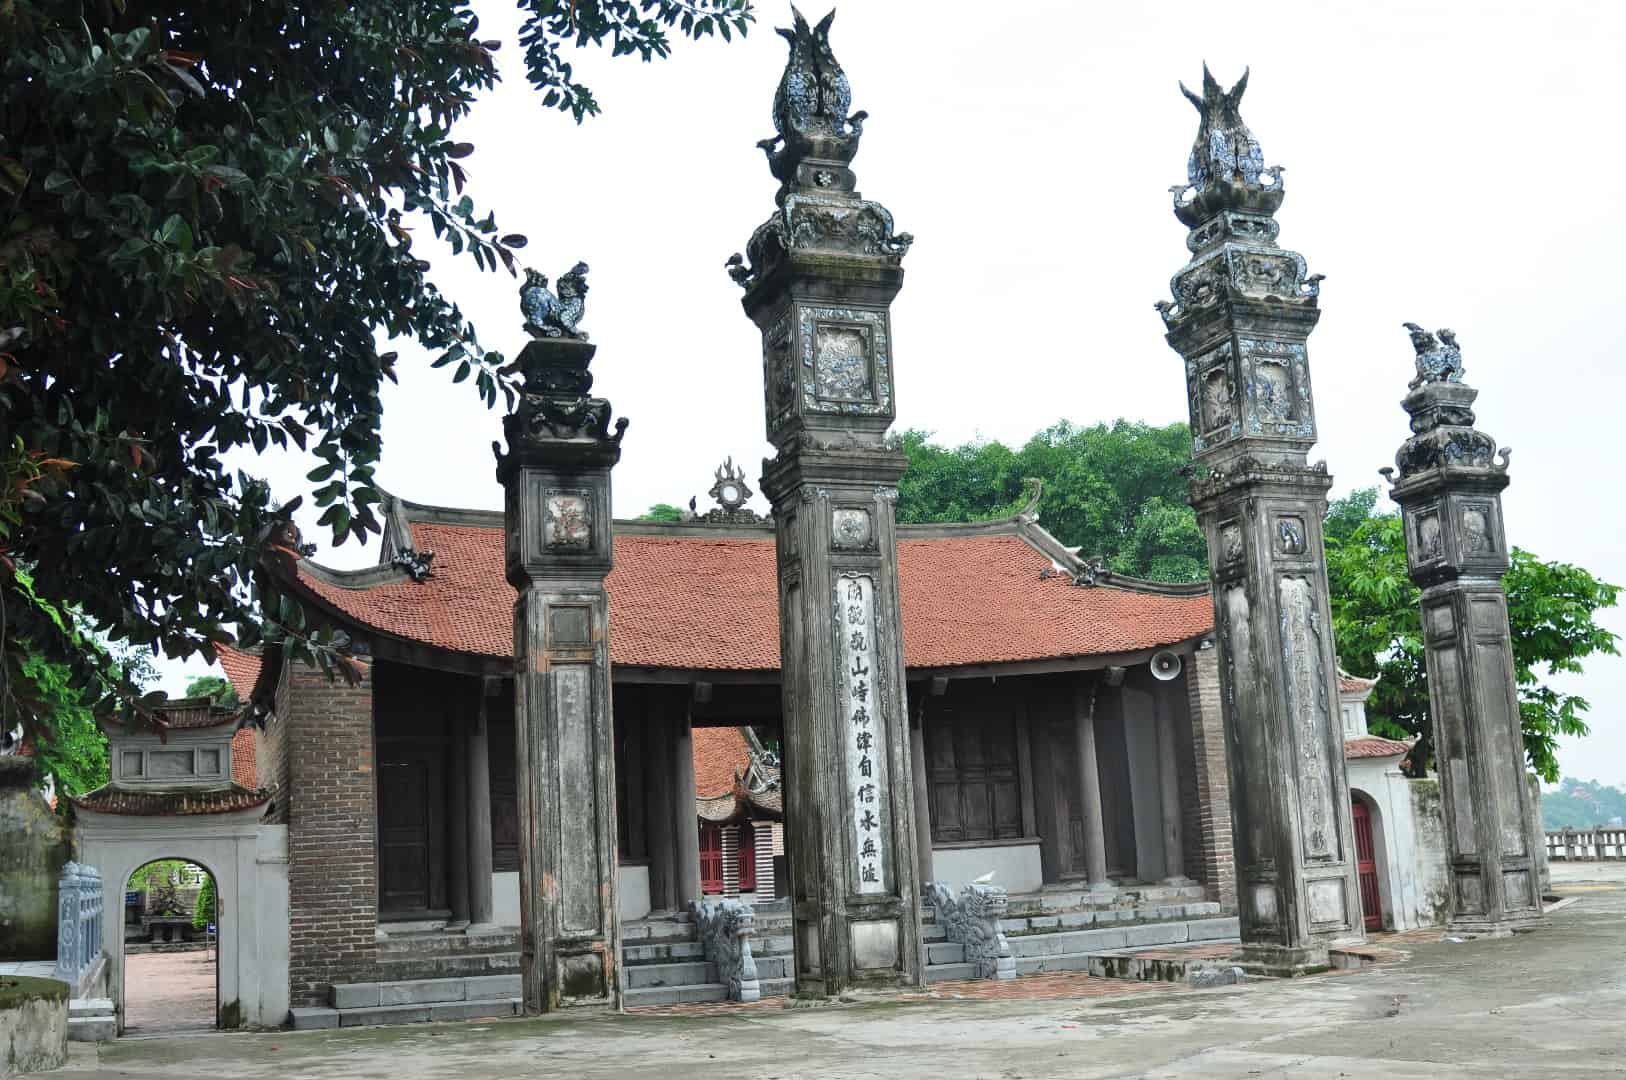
(1450, 1013)
(1449, 489)
(421, 991)
(476, 1009)
(384, 1014)
(1207, 978)
(313, 1019)
(492, 986)
(556, 478)
(1154, 934)
(92, 1028)
(1213, 929)
(356, 995)
(643, 976)
(1241, 314)
(819, 278)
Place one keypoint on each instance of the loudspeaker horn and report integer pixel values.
(1165, 665)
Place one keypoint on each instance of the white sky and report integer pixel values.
(1454, 164)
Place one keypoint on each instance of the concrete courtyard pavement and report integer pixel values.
(1546, 1004)
(169, 992)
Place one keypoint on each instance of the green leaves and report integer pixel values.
(1115, 491)
(1377, 622)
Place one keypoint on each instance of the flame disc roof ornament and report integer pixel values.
(810, 155)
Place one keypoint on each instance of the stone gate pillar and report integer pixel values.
(556, 480)
(1243, 309)
(821, 275)
(1449, 491)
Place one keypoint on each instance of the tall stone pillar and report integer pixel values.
(821, 275)
(1243, 309)
(556, 478)
(1450, 493)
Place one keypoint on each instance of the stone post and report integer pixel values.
(1449, 490)
(556, 479)
(819, 280)
(1242, 312)
(923, 804)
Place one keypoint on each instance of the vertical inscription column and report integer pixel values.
(1449, 490)
(556, 477)
(819, 277)
(1242, 311)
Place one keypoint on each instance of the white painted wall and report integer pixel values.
(1408, 861)
(249, 862)
(1015, 865)
(634, 895)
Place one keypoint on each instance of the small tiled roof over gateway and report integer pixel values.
(683, 599)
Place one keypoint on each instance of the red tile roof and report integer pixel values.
(183, 802)
(699, 602)
(719, 752)
(242, 669)
(1354, 684)
(245, 748)
(1372, 746)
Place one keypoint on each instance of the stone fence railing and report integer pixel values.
(1602, 842)
(79, 923)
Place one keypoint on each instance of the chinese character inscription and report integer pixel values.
(859, 707)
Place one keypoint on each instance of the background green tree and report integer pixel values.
(215, 688)
(1552, 608)
(208, 215)
(203, 912)
(662, 512)
(1113, 490)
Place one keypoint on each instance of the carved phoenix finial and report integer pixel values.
(1225, 149)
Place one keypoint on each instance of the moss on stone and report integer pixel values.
(18, 990)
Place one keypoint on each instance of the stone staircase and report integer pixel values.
(1061, 930)
(91, 1020)
(664, 963)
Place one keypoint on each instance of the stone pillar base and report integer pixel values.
(1281, 961)
(1471, 926)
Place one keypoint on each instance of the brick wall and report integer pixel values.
(1209, 856)
(332, 833)
(271, 757)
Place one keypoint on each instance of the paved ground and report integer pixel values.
(169, 992)
(1547, 1004)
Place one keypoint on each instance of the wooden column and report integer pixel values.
(1089, 784)
(457, 830)
(662, 839)
(685, 823)
(1168, 783)
(478, 764)
(922, 793)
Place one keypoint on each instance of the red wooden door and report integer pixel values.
(1367, 863)
(711, 859)
(748, 858)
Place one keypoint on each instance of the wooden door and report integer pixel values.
(748, 858)
(1367, 864)
(711, 859)
(411, 874)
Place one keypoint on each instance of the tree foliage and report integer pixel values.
(213, 687)
(1378, 626)
(662, 512)
(209, 215)
(1112, 490)
(203, 911)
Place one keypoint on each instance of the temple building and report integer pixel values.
(1025, 667)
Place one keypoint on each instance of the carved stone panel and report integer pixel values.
(1476, 530)
(1277, 378)
(1216, 414)
(1327, 902)
(571, 701)
(568, 520)
(1304, 676)
(1290, 538)
(1232, 545)
(845, 361)
(859, 706)
(851, 529)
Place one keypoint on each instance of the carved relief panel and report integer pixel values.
(567, 519)
(844, 362)
(1277, 380)
(779, 373)
(1211, 388)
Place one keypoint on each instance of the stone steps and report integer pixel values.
(696, 992)
(412, 1001)
(1057, 949)
(91, 1020)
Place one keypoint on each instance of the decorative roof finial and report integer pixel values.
(1439, 359)
(810, 113)
(550, 316)
(1226, 170)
